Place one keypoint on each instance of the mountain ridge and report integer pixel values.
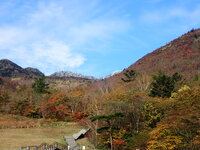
(11, 69)
(70, 74)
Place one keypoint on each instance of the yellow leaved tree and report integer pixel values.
(163, 138)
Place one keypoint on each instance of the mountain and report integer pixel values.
(10, 69)
(33, 71)
(70, 74)
(112, 74)
(181, 55)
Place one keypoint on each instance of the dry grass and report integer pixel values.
(13, 121)
(13, 139)
(85, 142)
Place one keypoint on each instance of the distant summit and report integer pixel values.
(70, 74)
(112, 74)
(10, 69)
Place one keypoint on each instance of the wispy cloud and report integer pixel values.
(47, 36)
(12, 36)
(97, 29)
(169, 14)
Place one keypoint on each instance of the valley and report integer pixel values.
(153, 104)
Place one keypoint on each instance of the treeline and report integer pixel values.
(40, 100)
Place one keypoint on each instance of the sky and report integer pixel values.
(91, 37)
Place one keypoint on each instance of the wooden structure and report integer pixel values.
(45, 146)
(70, 140)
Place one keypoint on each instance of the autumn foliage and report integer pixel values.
(56, 107)
(160, 111)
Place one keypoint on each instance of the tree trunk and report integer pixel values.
(137, 124)
(111, 144)
(110, 134)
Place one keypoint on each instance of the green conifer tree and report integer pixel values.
(129, 76)
(40, 86)
(163, 85)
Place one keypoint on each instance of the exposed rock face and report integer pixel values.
(10, 69)
(70, 74)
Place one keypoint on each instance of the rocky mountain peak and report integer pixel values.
(70, 74)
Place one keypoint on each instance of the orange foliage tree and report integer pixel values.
(25, 108)
(56, 107)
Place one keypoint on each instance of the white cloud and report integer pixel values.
(19, 44)
(46, 55)
(55, 53)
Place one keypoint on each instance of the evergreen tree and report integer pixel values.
(129, 76)
(163, 85)
(108, 120)
(40, 85)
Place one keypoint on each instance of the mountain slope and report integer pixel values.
(33, 71)
(10, 69)
(181, 55)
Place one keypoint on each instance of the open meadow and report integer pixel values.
(14, 138)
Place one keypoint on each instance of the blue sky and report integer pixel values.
(92, 37)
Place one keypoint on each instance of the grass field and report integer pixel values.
(13, 139)
(14, 121)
